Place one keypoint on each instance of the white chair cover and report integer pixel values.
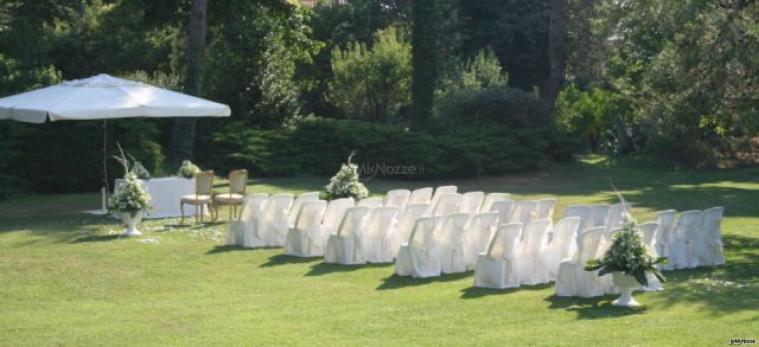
(334, 215)
(370, 202)
(471, 202)
(665, 236)
(419, 257)
(582, 211)
(504, 208)
(242, 232)
(497, 267)
(451, 242)
(573, 280)
(532, 270)
(405, 225)
(446, 204)
(478, 234)
(685, 230)
(523, 212)
(377, 237)
(295, 209)
(707, 245)
(443, 190)
(345, 247)
(491, 198)
(421, 196)
(545, 208)
(649, 231)
(598, 217)
(272, 226)
(305, 239)
(561, 245)
(397, 198)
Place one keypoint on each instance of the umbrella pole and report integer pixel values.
(104, 189)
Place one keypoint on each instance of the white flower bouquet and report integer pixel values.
(188, 169)
(130, 197)
(345, 183)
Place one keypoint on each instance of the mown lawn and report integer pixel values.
(67, 279)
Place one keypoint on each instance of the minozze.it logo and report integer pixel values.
(369, 170)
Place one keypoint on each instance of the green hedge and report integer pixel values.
(318, 146)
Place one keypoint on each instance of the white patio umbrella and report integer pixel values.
(104, 97)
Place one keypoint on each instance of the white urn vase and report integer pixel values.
(131, 221)
(626, 285)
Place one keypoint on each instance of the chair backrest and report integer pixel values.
(423, 235)
(564, 235)
(523, 212)
(397, 197)
(481, 229)
(277, 207)
(687, 224)
(295, 209)
(447, 204)
(238, 180)
(534, 236)
(471, 202)
(408, 218)
(370, 202)
(710, 224)
(666, 221)
(588, 244)
(545, 208)
(421, 196)
(204, 183)
(443, 190)
(581, 211)
(381, 220)
(311, 214)
(353, 221)
(614, 218)
(253, 205)
(491, 198)
(335, 212)
(504, 208)
(649, 231)
(598, 216)
(505, 241)
(453, 229)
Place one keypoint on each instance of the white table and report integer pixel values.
(166, 192)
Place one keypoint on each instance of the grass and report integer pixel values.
(67, 279)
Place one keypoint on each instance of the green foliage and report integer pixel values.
(372, 83)
(459, 153)
(426, 19)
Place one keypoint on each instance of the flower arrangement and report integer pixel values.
(628, 254)
(345, 183)
(188, 169)
(130, 197)
(140, 171)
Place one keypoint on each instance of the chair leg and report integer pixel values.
(181, 211)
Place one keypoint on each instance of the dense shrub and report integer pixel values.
(319, 146)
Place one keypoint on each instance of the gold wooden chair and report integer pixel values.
(238, 179)
(203, 195)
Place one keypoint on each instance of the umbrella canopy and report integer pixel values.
(105, 97)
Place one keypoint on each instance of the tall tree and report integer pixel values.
(183, 133)
(424, 59)
(557, 52)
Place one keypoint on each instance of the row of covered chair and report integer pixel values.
(695, 239)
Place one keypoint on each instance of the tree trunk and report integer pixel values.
(183, 133)
(424, 59)
(557, 52)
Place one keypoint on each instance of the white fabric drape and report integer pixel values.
(419, 257)
(345, 247)
(497, 267)
(562, 244)
(572, 279)
(272, 226)
(243, 232)
(478, 234)
(377, 236)
(451, 242)
(532, 270)
(306, 239)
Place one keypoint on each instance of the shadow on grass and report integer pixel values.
(96, 238)
(593, 308)
(325, 268)
(396, 282)
(282, 259)
(232, 248)
(474, 292)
